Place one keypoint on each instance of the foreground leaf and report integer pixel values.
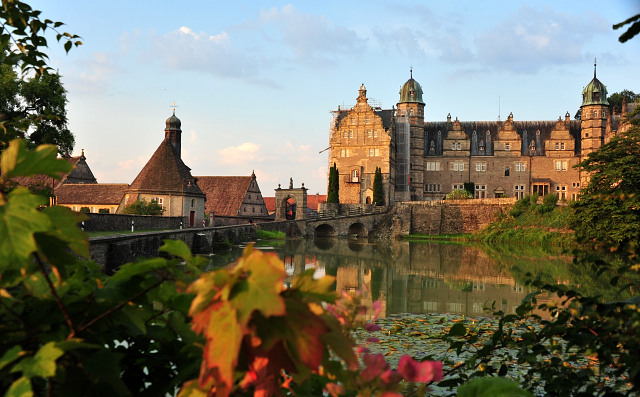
(18, 161)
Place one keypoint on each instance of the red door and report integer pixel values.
(192, 218)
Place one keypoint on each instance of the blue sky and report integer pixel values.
(254, 82)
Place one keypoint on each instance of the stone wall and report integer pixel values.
(114, 251)
(449, 216)
(121, 222)
(293, 228)
(234, 220)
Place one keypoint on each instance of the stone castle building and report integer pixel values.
(426, 160)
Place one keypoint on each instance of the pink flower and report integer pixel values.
(372, 327)
(414, 371)
(373, 340)
(377, 308)
(362, 349)
(375, 366)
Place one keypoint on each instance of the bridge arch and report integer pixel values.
(324, 230)
(358, 229)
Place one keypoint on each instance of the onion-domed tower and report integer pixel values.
(594, 115)
(173, 133)
(411, 106)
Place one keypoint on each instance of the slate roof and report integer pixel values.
(80, 174)
(165, 173)
(224, 193)
(95, 193)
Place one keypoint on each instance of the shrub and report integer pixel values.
(85, 209)
(103, 211)
(459, 195)
(141, 207)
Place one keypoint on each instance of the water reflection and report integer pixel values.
(424, 277)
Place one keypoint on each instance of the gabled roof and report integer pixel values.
(270, 202)
(80, 174)
(165, 172)
(94, 193)
(224, 193)
(314, 199)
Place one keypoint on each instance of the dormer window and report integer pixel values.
(595, 114)
(481, 146)
(507, 146)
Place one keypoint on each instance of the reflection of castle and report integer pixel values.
(415, 278)
(425, 160)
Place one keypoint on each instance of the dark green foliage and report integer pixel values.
(548, 203)
(103, 211)
(85, 209)
(615, 99)
(608, 207)
(142, 207)
(333, 192)
(378, 190)
(633, 30)
(470, 187)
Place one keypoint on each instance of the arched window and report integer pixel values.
(193, 203)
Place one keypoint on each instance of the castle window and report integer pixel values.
(345, 134)
(481, 146)
(561, 165)
(458, 186)
(507, 146)
(193, 203)
(481, 191)
(113, 210)
(595, 114)
(253, 209)
(521, 167)
(433, 187)
(369, 134)
(557, 145)
(375, 133)
(350, 133)
(94, 209)
(374, 152)
(354, 176)
(433, 166)
(249, 197)
(453, 146)
(506, 171)
(75, 208)
(459, 146)
(519, 191)
(481, 167)
(458, 166)
(344, 152)
(366, 120)
(561, 145)
(353, 120)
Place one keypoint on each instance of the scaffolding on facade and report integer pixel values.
(403, 156)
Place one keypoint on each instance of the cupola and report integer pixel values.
(411, 92)
(595, 93)
(173, 133)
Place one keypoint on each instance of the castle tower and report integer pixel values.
(173, 133)
(594, 115)
(411, 106)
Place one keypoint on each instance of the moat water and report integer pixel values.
(432, 277)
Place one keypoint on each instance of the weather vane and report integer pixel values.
(174, 106)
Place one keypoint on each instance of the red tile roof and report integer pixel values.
(314, 199)
(80, 174)
(91, 193)
(270, 202)
(165, 172)
(224, 193)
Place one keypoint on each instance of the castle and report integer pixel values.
(426, 160)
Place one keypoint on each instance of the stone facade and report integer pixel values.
(498, 158)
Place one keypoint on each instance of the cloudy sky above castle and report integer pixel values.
(254, 82)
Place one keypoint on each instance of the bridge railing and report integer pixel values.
(349, 211)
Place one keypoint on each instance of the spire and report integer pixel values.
(411, 71)
(594, 67)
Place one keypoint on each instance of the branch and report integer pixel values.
(56, 297)
(120, 306)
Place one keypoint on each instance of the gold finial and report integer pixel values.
(174, 106)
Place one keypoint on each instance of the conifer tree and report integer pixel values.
(378, 190)
(333, 192)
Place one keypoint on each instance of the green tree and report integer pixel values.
(378, 189)
(142, 207)
(608, 207)
(41, 102)
(333, 192)
(615, 99)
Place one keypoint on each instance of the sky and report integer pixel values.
(254, 81)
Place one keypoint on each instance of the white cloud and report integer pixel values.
(90, 76)
(137, 163)
(242, 154)
(532, 38)
(192, 138)
(184, 49)
(314, 40)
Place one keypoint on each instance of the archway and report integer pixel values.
(291, 207)
(358, 229)
(324, 230)
(291, 203)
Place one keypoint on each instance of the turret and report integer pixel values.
(173, 133)
(594, 115)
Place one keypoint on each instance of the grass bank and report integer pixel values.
(270, 235)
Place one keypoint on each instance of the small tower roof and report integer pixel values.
(173, 123)
(411, 91)
(595, 93)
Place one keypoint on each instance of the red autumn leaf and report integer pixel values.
(218, 322)
(304, 329)
(265, 369)
(415, 371)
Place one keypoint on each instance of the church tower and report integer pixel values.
(594, 115)
(411, 108)
(173, 133)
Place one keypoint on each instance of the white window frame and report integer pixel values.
(481, 166)
(507, 146)
(561, 165)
